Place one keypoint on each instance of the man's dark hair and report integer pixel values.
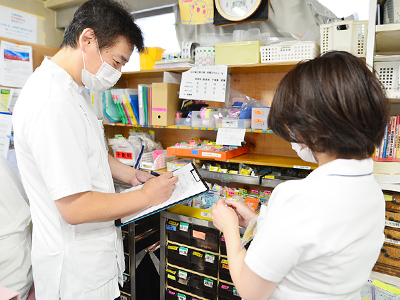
(109, 21)
(332, 104)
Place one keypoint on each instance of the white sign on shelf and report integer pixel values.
(205, 83)
(230, 136)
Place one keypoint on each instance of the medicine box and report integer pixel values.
(259, 118)
(165, 103)
(238, 53)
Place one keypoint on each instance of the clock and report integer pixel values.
(237, 10)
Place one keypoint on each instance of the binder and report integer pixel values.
(189, 185)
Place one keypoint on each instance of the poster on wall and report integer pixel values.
(15, 64)
(195, 12)
(18, 25)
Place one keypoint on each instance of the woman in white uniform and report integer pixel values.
(319, 237)
(15, 235)
(64, 163)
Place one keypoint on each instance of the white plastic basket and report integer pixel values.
(391, 12)
(289, 51)
(349, 35)
(388, 74)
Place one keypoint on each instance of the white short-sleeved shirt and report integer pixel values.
(320, 237)
(61, 151)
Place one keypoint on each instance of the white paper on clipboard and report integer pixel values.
(189, 185)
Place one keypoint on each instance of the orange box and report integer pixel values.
(205, 154)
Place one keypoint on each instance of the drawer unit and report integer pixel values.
(227, 292)
(205, 238)
(205, 263)
(179, 255)
(178, 278)
(203, 286)
(224, 269)
(179, 232)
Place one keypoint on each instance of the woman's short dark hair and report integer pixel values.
(332, 104)
(109, 21)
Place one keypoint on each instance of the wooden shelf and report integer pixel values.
(274, 161)
(281, 67)
(184, 127)
(388, 39)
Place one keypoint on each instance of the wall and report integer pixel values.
(47, 33)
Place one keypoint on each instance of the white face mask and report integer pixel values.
(105, 78)
(305, 153)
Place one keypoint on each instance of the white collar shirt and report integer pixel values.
(320, 237)
(61, 151)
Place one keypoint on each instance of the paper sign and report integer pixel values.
(230, 136)
(205, 83)
(18, 25)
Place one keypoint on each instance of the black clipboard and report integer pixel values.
(189, 174)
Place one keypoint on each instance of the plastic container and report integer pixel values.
(154, 160)
(289, 52)
(233, 123)
(199, 120)
(388, 74)
(238, 53)
(349, 35)
(149, 57)
(391, 12)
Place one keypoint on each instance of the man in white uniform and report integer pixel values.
(15, 235)
(65, 167)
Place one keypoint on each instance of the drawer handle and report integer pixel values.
(389, 236)
(387, 254)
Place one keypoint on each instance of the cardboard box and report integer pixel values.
(238, 53)
(259, 118)
(165, 103)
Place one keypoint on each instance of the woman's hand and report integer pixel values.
(224, 217)
(244, 213)
(139, 177)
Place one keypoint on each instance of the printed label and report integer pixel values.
(205, 214)
(171, 277)
(198, 254)
(195, 152)
(171, 227)
(258, 112)
(392, 224)
(302, 167)
(182, 274)
(258, 121)
(225, 287)
(173, 247)
(123, 155)
(183, 251)
(159, 109)
(184, 227)
(209, 258)
(171, 292)
(210, 154)
(235, 292)
(181, 297)
(199, 235)
(208, 282)
(392, 241)
(230, 123)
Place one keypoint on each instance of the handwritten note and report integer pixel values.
(230, 136)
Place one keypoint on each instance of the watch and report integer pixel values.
(237, 10)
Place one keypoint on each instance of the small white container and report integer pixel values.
(289, 51)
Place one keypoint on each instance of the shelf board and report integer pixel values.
(184, 127)
(274, 161)
(388, 38)
(278, 67)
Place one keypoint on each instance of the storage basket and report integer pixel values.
(388, 74)
(349, 35)
(154, 160)
(289, 52)
(391, 12)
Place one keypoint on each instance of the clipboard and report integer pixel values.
(189, 185)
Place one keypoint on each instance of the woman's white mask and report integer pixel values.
(304, 153)
(105, 78)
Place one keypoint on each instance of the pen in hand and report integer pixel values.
(154, 173)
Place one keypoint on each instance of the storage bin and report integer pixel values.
(349, 35)
(233, 123)
(154, 160)
(179, 232)
(391, 11)
(199, 120)
(224, 269)
(259, 118)
(205, 263)
(203, 286)
(205, 238)
(388, 74)
(227, 291)
(238, 53)
(179, 256)
(296, 51)
(178, 278)
(149, 56)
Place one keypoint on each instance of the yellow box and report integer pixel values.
(149, 57)
(194, 212)
(238, 53)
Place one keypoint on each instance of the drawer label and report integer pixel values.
(210, 154)
(208, 282)
(181, 297)
(173, 247)
(184, 227)
(182, 274)
(183, 251)
(392, 224)
(171, 277)
(235, 292)
(205, 214)
(209, 258)
(198, 254)
(199, 235)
